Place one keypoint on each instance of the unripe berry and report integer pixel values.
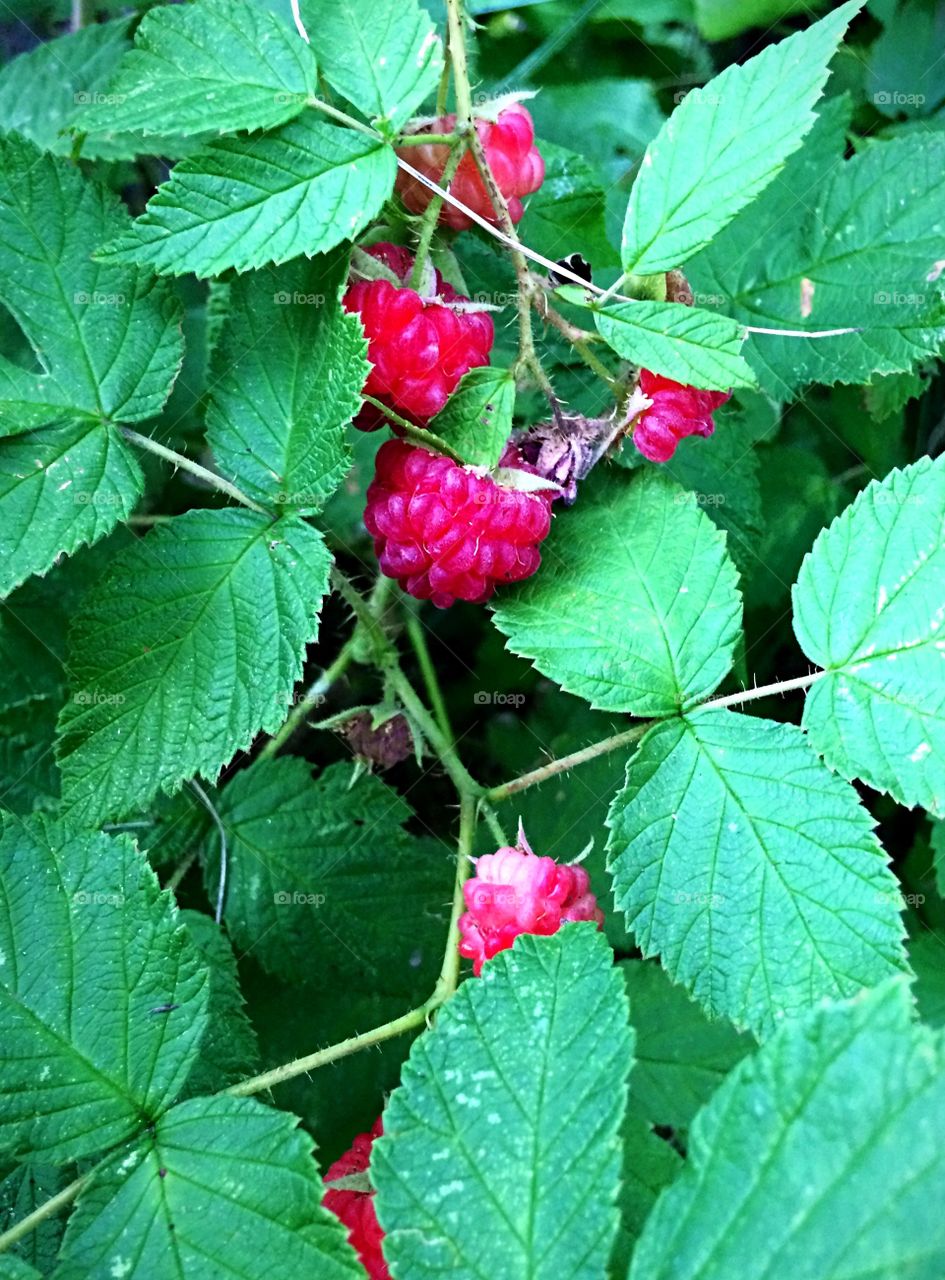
(515, 162)
(419, 347)
(448, 532)
(513, 892)
(676, 411)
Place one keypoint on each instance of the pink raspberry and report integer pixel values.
(448, 532)
(514, 891)
(677, 411)
(356, 1208)
(419, 347)
(515, 162)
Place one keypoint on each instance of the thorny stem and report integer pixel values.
(457, 37)
(550, 770)
(48, 1209)
(312, 698)
(417, 638)
(431, 213)
(195, 469)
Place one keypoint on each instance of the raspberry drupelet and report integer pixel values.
(356, 1208)
(448, 532)
(513, 892)
(676, 411)
(515, 162)
(419, 347)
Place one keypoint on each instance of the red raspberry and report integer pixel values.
(515, 162)
(514, 891)
(677, 411)
(419, 347)
(448, 532)
(356, 1208)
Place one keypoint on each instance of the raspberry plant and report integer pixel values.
(505, 840)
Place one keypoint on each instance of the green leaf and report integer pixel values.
(684, 343)
(229, 1050)
(906, 74)
(61, 487)
(820, 1158)
(384, 58)
(681, 1055)
(720, 20)
(285, 381)
(243, 202)
(12, 1268)
(649, 1165)
(189, 647)
(838, 244)
(751, 869)
(107, 339)
(22, 1191)
(308, 894)
(102, 999)
(566, 214)
(225, 1181)
(724, 143)
(29, 779)
(214, 66)
(636, 607)
(868, 608)
(510, 1107)
(477, 419)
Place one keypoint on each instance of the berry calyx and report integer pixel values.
(515, 891)
(419, 347)
(448, 532)
(676, 411)
(356, 1208)
(515, 162)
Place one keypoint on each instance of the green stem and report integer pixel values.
(449, 974)
(312, 698)
(417, 638)
(195, 469)
(417, 435)
(48, 1209)
(422, 139)
(457, 40)
(312, 1061)
(431, 214)
(493, 823)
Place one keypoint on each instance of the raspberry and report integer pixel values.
(448, 532)
(514, 891)
(677, 411)
(515, 162)
(356, 1208)
(419, 347)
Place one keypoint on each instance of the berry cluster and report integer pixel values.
(448, 532)
(513, 158)
(676, 411)
(356, 1208)
(514, 891)
(419, 347)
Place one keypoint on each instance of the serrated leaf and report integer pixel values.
(649, 1165)
(22, 1191)
(308, 895)
(189, 647)
(636, 607)
(213, 66)
(513, 1102)
(477, 419)
(686, 344)
(226, 1180)
(681, 1056)
(822, 1157)
(107, 339)
(90, 956)
(12, 1268)
(61, 487)
(243, 202)
(384, 58)
(285, 381)
(868, 607)
(838, 244)
(751, 869)
(724, 143)
(567, 213)
(228, 1050)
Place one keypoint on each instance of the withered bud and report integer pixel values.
(678, 288)
(381, 747)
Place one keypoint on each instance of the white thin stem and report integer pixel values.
(299, 24)
(210, 808)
